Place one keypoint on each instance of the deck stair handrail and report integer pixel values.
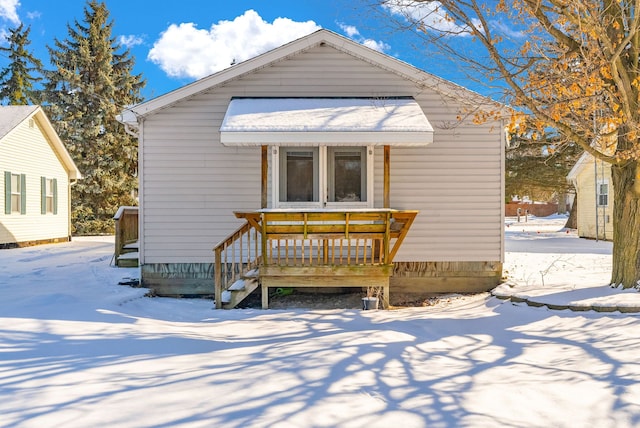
(236, 258)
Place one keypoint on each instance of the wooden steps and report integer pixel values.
(129, 255)
(126, 237)
(240, 289)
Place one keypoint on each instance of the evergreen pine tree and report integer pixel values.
(17, 79)
(539, 168)
(91, 83)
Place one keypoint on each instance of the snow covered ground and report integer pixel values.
(546, 264)
(78, 350)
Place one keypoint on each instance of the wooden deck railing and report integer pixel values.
(313, 238)
(234, 257)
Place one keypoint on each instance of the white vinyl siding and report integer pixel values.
(193, 184)
(457, 190)
(591, 199)
(26, 151)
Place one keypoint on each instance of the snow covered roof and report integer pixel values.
(12, 116)
(331, 121)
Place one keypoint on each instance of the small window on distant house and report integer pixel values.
(49, 195)
(603, 194)
(15, 193)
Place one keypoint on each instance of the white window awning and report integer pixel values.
(325, 121)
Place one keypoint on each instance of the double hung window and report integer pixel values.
(15, 197)
(49, 195)
(603, 194)
(16, 191)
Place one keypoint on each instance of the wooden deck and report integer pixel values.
(126, 237)
(313, 249)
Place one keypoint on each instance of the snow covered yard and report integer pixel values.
(78, 350)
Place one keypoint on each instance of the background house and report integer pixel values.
(594, 196)
(36, 176)
(201, 152)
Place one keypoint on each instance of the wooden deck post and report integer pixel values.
(263, 230)
(386, 199)
(387, 240)
(218, 278)
(264, 171)
(265, 296)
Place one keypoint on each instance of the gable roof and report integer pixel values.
(580, 164)
(130, 116)
(12, 116)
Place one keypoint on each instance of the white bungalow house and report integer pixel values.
(594, 196)
(335, 157)
(37, 173)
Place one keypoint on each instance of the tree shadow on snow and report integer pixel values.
(458, 366)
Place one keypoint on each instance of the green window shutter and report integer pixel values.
(55, 195)
(43, 195)
(7, 192)
(23, 194)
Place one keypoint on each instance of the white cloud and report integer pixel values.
(353, 33)
(431, 14)
(183, 50)
(131, 40)
(376, 45)
(349, 30)
(8, 10)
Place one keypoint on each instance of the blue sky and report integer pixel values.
(177, 43)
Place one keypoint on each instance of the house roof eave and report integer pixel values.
(582, 162)
(57, 144)
(323, 36)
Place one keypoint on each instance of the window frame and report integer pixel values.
(365, 183)
(48, 196)
(282, 176)
(602, 195)
(15, 195)
(322, 176)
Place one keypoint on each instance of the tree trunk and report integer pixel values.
(572, 221)
(626, 222)
(562, 203)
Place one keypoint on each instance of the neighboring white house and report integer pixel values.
(271, 132)
(36, 173)
(594, 196)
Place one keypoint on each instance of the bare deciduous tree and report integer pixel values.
(568, 65)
